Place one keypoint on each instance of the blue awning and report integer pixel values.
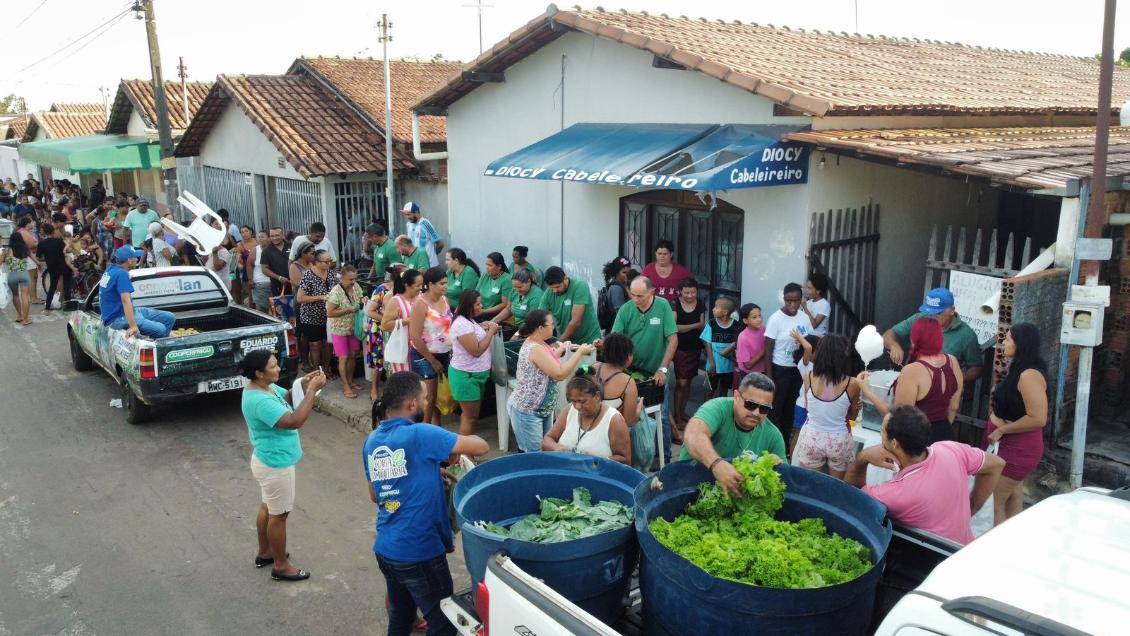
(671, 156)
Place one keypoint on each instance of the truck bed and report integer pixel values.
(233, 318)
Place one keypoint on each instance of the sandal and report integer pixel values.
(261, 561)
(301, 575)
(350, 394)
(420, 625)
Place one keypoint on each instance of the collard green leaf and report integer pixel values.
(559, 520)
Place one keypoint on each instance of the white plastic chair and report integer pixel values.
(200, 232)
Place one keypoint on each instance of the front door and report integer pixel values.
(708, 239)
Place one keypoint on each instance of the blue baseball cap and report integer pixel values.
(126, 252)
(937, 300)
(410, 208)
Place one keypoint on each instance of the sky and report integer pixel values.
(48, 59)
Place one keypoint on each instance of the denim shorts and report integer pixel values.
(529, 428)
(424, 368)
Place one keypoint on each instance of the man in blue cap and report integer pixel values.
(116, 304)
(960, 340)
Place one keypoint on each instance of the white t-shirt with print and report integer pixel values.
(779, 328)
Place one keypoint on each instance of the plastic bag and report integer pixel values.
(5, 292)
(983, 519)
(359, 320)
(396, 344)
(643, 442)
(445, 401)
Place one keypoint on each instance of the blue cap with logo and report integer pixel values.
(126, 252)
(937, 300)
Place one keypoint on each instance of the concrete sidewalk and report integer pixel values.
(357, 414)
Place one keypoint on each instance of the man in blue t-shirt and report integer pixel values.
(402, 465)
(116, 304)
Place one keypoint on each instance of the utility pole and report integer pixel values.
(1092, 230)
(182, 72)
(168, 163)
(105, 92)
(479, 6)
(390, 191)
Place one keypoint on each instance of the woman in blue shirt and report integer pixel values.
(272, 425)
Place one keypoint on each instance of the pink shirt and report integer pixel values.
(462, 359)
(667, 288)
(933, 495)
(751, 342)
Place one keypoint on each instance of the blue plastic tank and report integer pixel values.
(680, 598)
(593, 572)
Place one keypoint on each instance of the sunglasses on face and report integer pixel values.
(751, 405)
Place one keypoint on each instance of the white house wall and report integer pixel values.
(135, 127)
(604, 82)
(910, 203)
(235, 143)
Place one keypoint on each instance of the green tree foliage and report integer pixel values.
(13, 104)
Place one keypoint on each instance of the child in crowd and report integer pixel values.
(751, 342)
(720, 338)
(815, 305)
(806, 345)
(690, 319)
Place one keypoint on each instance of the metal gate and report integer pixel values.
(189, 179)
(983, 255)
(357, 204)
(231, 190)
(297, 204)
(843, 245)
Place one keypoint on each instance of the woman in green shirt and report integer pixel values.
(462, 274)
(520, 264)
(494, 288)
(272, 426)
(524, 297)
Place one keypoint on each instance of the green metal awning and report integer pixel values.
(94, 153)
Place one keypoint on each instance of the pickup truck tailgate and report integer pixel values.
(188, 360)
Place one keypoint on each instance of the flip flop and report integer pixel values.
(301, 575)
(350, 395)
(420, 625)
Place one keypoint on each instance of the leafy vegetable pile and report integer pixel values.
(738, 538)
(560, 520)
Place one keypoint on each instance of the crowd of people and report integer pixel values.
(780, 384)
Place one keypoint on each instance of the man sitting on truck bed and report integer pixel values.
(727, 427)
(930, 490)
(116, 304)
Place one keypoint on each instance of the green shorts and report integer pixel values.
(467, 387)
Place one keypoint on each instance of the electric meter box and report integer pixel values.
(1082, 324)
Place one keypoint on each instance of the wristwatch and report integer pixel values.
(662, 370)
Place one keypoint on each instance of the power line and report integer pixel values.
(28, 16)
(73, 41)
(90, 41)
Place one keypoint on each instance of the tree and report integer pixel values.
(1124, 57)
(13, 104)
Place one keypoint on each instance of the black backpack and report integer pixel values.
(605, 314)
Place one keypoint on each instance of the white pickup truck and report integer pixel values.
(1062, 567)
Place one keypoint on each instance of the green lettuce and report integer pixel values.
(737, 537)
(558, 520)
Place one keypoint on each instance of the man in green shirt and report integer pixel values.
(412, 256)
(725, 428)
(570, 302)
(384, 249)
(649, 322)
(960, 341)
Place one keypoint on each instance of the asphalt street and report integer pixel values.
(108, 528)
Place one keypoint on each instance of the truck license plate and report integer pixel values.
(223, 384)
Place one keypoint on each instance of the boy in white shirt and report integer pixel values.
(779, 341)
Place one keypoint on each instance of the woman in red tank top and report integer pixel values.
(931, 380)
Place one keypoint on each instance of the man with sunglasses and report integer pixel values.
(724, 428)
